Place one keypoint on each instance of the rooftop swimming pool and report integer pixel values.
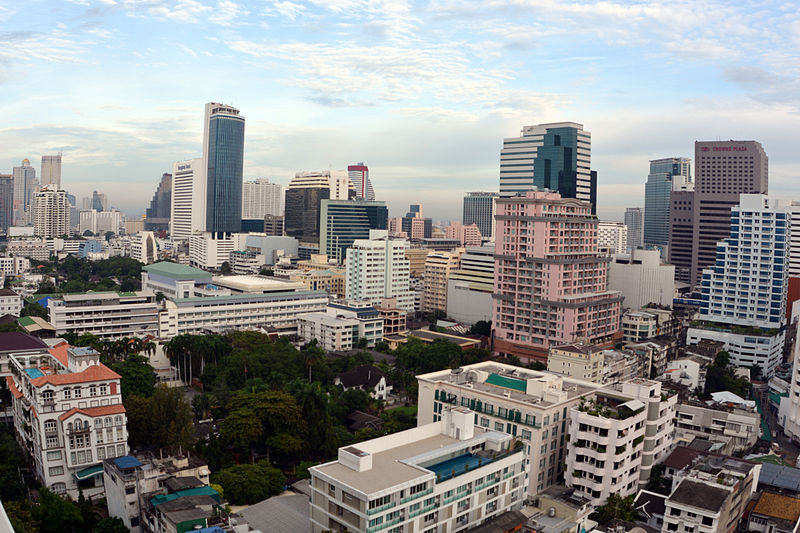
(445, 469)
(34, 373)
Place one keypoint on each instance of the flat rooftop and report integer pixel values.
(700, 495)
(256, 284)
(176, 271)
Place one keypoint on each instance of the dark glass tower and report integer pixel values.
(344, 221)
(223, 154)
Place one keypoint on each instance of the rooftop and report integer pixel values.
(176, 271)
(17, 341)
(256, 284)
(699, 495)
(650, 504)
(431, 336)
(280, 514)
(366, 376)
(778, 506)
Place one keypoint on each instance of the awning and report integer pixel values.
(86, 473)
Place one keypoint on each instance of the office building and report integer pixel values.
(51, 170)
(666, 175)
(616, 436)
(642, 278)
(414, 225)
(551, 283)
(25, 184)
(466, 234)
(50, 213)
(187, 200)
(724, 170)
(470, 287)
(144, 247)
(447, 475)
(6, 202)
(438, 267)
(99, 201)
(68, 417)
(530, 405)
(555, 157)
(303, 201)
(754, 261)
(634, 221)
(261, 198)
(157, 216)
(108, 315)
(209, 250)
(377, 268)
(223, 158)
(359, 177)
(344, 221)
(273, 225)
(681, 234)
(342, 326)
(479, 209)
(613, 237)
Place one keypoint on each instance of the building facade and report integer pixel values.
(438, 267)
(187, 201)
(470, 287)
(342, 326)
(479, 209)
(25, 185)
(681, 231)
(223, 158)
(612, 236)
(359, 177)
(642, 279)
(6, 202)
(634, 221)
(666, 175)
(51, 170)
(303, 201)
(50, 213)
(377, 268)
(344, 221)
(157, 215)
(261, 198)
(109, 315)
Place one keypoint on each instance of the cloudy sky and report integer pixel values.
(423, 92)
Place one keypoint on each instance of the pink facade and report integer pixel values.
(467, 235)
(551, 287)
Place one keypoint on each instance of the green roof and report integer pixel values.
(25, 321)
(175, 271)
(507, 383)
(197, 491)
(89, 472)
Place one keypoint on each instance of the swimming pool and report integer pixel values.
(444, 470)
(34, 373)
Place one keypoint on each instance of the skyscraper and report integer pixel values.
(6, 201)
(223, 158)
(681, 230)
(537, 300)
(359, 176)
(50, 212)
(24, 185)
(415, 225)
(261, 198)
(303, 197)
(479, 209)
(556, 157)
(99, 201)
(51, 170)
(188, 194)
(344, 221)
(666, 175)
(634, 220)
(157, 215)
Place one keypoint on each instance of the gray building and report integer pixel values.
(479, 209)
(223, 154)
(344, 221)
(666, 175)
(6, 201)
(634, 220)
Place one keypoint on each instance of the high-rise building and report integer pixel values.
(754, 260)
(344, 221)
(50, 212)
(723, 170)
(158, 214)
(642, 278)
(438, 266)
(479, 209)
(100, 223)
(666, 175)
(377, 268)
(359, 176)
(24, 186)
(612, 236)
(681, 231)
(551, 283)
(465, 234)
(273, 225)
(469, 289)
(556, 157)
(188, 195)
(51, 170)
(223, 159)
(6, 201)
(415, 226)
(99, 201)
(634, 220)
(303, 197)
(261, 198)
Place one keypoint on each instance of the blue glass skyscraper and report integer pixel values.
(666, 175)
(223, 155)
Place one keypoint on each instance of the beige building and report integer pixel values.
(438, 267)
(50, 211)
(394, 318)
(577, 360)
(416, 258)
(528, 404)
(331, 280)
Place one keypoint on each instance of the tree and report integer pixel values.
(34, 309)
(242, 428)
(163, 420)
(481, 327)
(137, 376)
(21, 517)
(225, 268)
(88, 233)
(111, 524)
(616, 507)
(160, 296)
(109, 234)
(57, 515)
(249, 484)
(658, 483)
(362, 343)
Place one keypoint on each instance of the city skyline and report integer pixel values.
(117, 87)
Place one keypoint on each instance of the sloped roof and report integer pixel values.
(280, 514)
(13, 387)
(778, 506)
(15, 341)
(365, 376)
(95, 411)
(99, 372)
(650, 503)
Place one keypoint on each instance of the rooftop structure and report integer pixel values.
(110, 315)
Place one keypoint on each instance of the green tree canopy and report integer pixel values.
(136, 376)
(249, 484)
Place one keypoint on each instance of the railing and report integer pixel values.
(487, 484)
(415, 496)
(508, 475)
(422, 510)
(457, 496)
(384, 525)
(381, 508)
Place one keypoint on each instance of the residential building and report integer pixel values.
(577, 360)
(6, 202)
(666, 175)
(394, 318)
(470, 287)
(689, 372)
(144, 247)
(10, 303)
(303, 201)
(642, 278)
(14, 266)
(613, 236)
(377, 268)
(638, 326)
(109, 315)
(527, 404)
(365, 377)
(246, 262)
(554, 157)
(68, 416)
(681, 233)
(210, 250)
(261, 198)
(50, 213)
(467, 235)
(359, 176)
(479, 209)
(35, 249)
(331, 280)
(18, 343)
(438, 267)
(341, 326)
(551, 283)
(100, 222)
(136, 225)
(25, 185)
(774, 513)
(634, 221)
(157, 216)
(559, 510)
(344, 221)
(223, 156)
(187, 211)
(620, 366)
(754, 260)
(737, 427)
(273, 225)
(416, 260)
(51, 171)
(616, 436)
(789, 411)
(446, 475)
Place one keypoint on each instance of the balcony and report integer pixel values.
(377, 510)
(415, 496)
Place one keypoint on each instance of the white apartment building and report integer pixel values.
(50, 212)
(438, 266)
(615, 438)
(443, 476)
(278, 310)
(789, 410)
(638, 326)
(612, 236)
(100, 222)
(261, 198)
(688, 371)
(68, 415)
(377, 268)
(109, 315)
(470, 287)
(530, 405)
(144, 247)
(209, 251)
(187, 213)
(13, 266)
(577, 360)
(35, 249)
(341, 326)
(642, 278)
(736, 426)
(10, 302)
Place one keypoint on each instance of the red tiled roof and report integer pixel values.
(95, 411)
(99, 372)
(59, 351)
(13, 387)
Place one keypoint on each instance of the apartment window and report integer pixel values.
(498, 426)
(50, 426)
(526, 434)
(672, 527)
(77, 391)
(52, 442)
(417, 488)
(484, 422)
(707, 521)
(56, 470)
(99, 437)
(675, 511)
(67, 394)
(92, 390)
(59, 488)
(103, 389)
(101, 453)
(54, 456)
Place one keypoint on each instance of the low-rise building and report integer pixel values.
(442, 476)
(246, 262)
(10, 302)
(109, 315)
(719, 422)
(331, 280)
(559, 510)
(35, 249)
(341, 326)
(365, 377)
(638, 326)
(688, 371)
(577, 360)
(14, 266)
(623, 365)
(775, 513)
(18, 343)
(177, 281)
(394, 318)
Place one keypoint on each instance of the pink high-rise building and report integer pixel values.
(467, 235)
(551, 286)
